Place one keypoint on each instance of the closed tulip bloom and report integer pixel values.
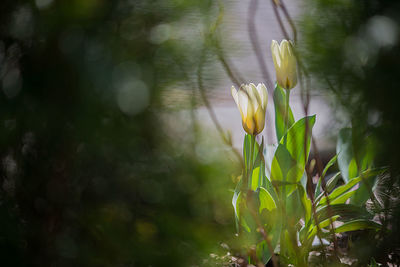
(252, 103)
(285, 63)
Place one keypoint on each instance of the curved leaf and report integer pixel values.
(330, 185)
(313, 231)
(331, 162)
(273, 232)
(344, 150)
(266, 200)
(345, 211)
(291, 156)
(343, 198)
(346, 187)
(357, 225)
(280, 109)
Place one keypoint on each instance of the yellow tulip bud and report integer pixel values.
(252, 103)
(285, 63)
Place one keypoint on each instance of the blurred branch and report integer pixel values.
(279, 19)
(226, 138)
(253, 6)
(289, 19)
(193, 102)
(228, 67)
(212, 37)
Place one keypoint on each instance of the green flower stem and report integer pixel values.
(285, 139)
(282, 237)
(286, 113)
(250, 171)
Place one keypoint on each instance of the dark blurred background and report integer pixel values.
(352, 50)
(90, 176)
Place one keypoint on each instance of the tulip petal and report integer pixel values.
(254, 95)
(250, 119)
(276, 54)
(262, 92)
(249, 122)
(278, 62)
(235, 95)
(243, 100)
(259, 118)
(285, 53)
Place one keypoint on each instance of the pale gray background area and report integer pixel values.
(241, 54)
(238, 48)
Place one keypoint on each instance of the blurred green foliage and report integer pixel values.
(352, 51)
(89, 175)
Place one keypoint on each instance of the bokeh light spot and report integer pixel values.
(12, 83)
(133, 96)
(160, 33)
(43, 3)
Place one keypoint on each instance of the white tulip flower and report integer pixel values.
(285, 63)
(252, 103)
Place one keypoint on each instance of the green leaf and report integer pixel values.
(234, 202)
(356, 154)
(290, 245)
(262, 178)
(255, 179)
(303, 233)
(282, 164)
(344, 151)
(236, 195)
(257, 174)
(280, 107)
(294, 206)
(328, 165)
(365, 153)
(247, 150)
(240, 210)
(290, 158)
(266, 200)
(270, 188)
(345, 211)
(353, 170)
(343, 198)
(306, 202)
(346, 187)
(330, 185)
(269, 156)
(355, 225)
(272, 229)
(318, 188)
(298, 139)
(373, 263)
(340, 190)
(258, 178)
(363, 193)
(263, 251)
(272, 224)
(314, 230)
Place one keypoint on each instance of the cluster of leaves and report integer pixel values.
(346, 52)
(272, 206)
